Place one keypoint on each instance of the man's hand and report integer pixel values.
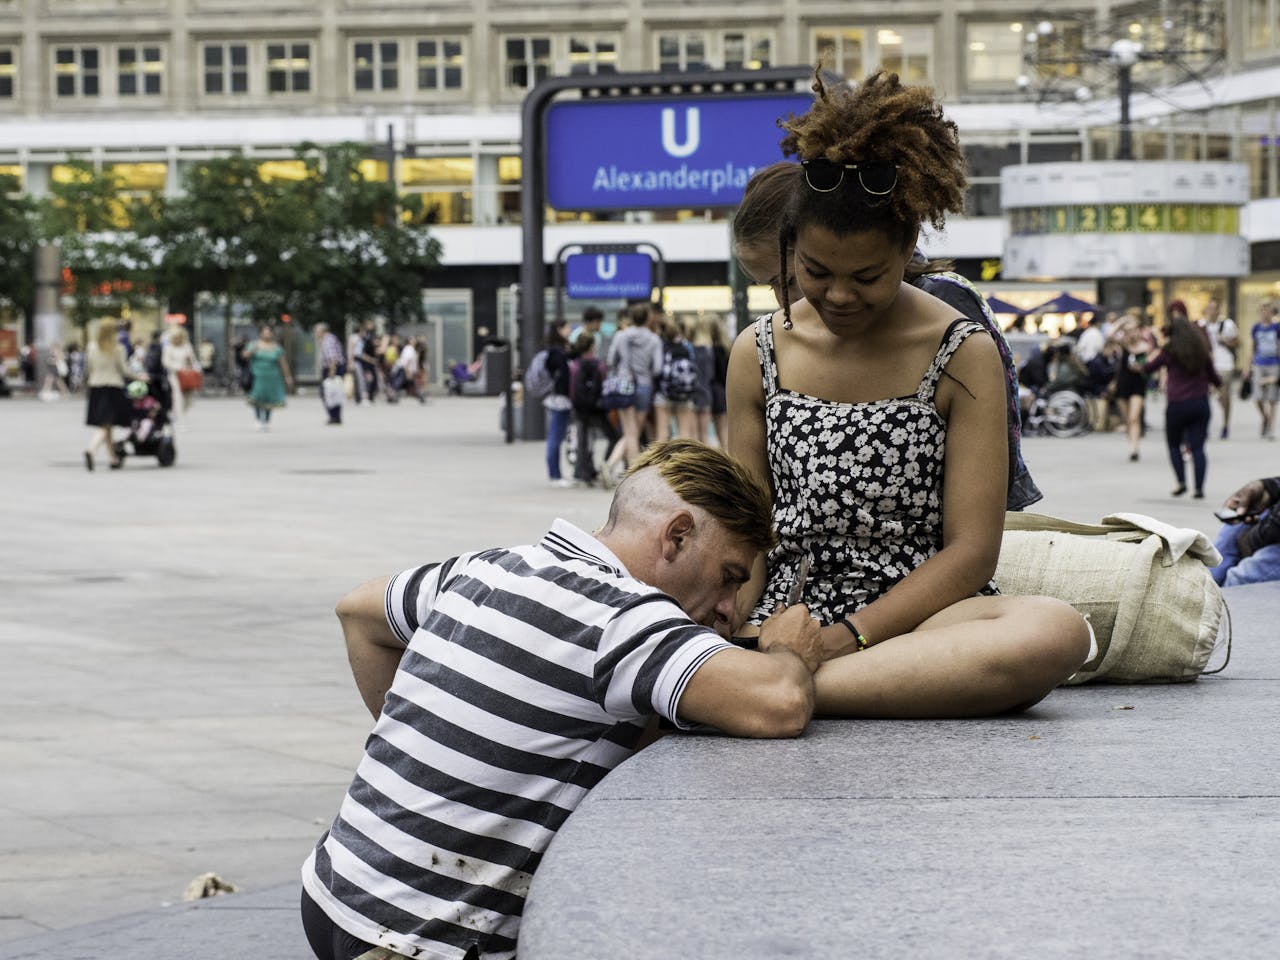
(1249, 501)
(791, 628)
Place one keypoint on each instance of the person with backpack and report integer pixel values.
(677, 385)
(635, 357)
(586, 384)
(547, 380)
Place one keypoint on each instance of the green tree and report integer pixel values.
(355, 256)
(17, 247)
(221, 235)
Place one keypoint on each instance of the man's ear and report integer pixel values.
(675, 534)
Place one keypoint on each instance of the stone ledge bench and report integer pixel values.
(1109, 821)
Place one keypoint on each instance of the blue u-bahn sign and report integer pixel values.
(589, 276)
(649, 154)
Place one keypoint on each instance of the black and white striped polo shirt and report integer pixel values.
(528, 675)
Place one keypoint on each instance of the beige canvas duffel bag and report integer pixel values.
(1144, 586)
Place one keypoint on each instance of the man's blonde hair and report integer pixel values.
(711, 480)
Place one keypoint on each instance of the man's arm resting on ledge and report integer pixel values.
(373, 649)
(760, 694)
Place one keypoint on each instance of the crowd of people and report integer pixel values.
(656, 377)
(1119, 360)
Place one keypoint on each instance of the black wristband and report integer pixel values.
(857, 634)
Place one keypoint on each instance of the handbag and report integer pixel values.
(1246, 386)
(331, 391)
(190, 379)
(617, 392)
(1144, 586)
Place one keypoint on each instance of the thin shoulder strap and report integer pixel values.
(767, 356)
(957, 332)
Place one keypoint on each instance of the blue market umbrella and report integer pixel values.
(1002, 306)
(1065, 303)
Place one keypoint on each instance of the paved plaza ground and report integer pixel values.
(176, 693)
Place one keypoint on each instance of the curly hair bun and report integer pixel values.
(882, 120)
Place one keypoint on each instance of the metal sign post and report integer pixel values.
(678, 140)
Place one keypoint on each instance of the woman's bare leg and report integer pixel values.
(661, 422)
(979, 657)
(1133, 416)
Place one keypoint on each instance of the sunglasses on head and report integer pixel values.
(823, 175)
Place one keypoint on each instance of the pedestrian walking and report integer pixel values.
(106, 370)
(1224, 341)
(355, 340)
(587, 373)
(182, 368)
(677, 385)
(55, 374)
(1185, 357)
(1265, 366)
(635, 358)
(368, 362)
(333, 366)
(1135, 345)
(556, 403)
(270, 376)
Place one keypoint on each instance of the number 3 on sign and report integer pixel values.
(1117, 218)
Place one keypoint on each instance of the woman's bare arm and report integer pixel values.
(744, 392)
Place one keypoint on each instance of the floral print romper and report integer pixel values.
(857, 486)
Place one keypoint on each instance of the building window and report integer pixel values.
(685, 51)
(593, 55)
(443, 186)
(76, 71)
(526, 61)
(1260, 25)
(993, 53)
(8, 73)
(440, 63)
(376, 65)
(288, 67)
(747, 50)
(854, 52)
(226, 68)
(139, 71)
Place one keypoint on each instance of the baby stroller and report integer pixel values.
(150, 430)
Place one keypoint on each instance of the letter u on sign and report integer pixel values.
(691, 132)
(606, 266)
